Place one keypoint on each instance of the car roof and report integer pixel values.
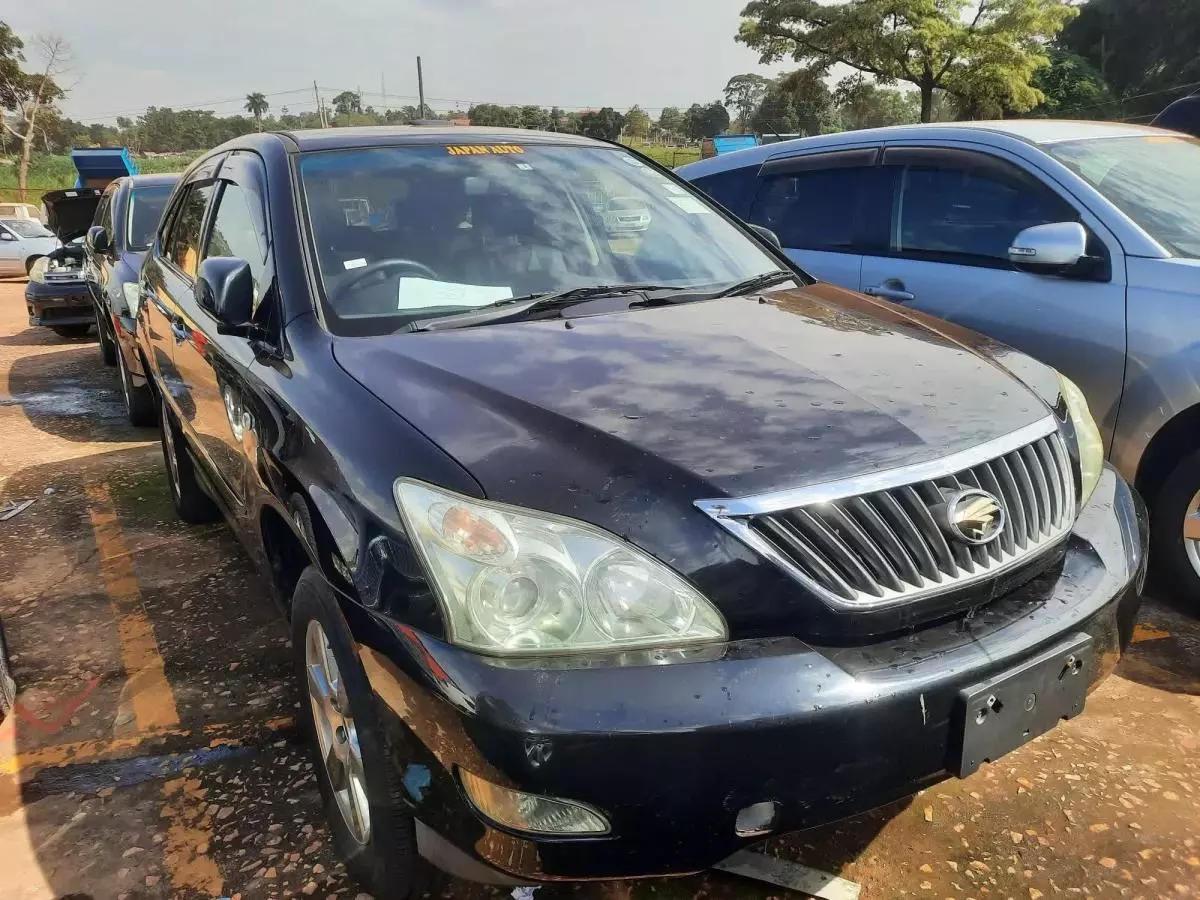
(152, 180)
(1039, 132)
(384, 136)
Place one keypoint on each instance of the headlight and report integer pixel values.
(1087, 438)
(37, 272)
(133, 294)
(514, 581)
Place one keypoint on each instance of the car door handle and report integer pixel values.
(887, 292)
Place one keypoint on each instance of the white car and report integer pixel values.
(22, 243)
(22, 211)
(624, 214)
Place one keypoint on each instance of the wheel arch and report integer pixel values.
(1170, 444)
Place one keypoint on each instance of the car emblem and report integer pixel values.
(972, 516)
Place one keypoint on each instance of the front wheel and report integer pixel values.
(139, 401)
(372, 829)
(70, 331)
(1175, 530)
(193, 505)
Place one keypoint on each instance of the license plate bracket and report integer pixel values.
(1001, 713)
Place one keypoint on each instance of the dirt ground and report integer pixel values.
(154, 751)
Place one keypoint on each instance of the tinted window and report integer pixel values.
(182, 245)
(812, 210)
(732, 189)
(145, 209)
(236, 230)
(104, 213)
(960, 212)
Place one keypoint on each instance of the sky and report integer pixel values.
(130, 54)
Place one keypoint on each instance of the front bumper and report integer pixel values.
(59, 303)
(671, 749)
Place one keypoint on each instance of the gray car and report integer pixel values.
(22, 243)
(1077, 242)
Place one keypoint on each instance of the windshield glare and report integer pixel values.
(1154, 179)
(28, 228)
(145, 209)
(403, 233)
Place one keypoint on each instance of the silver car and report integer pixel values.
(22, 243)
(1076, 242)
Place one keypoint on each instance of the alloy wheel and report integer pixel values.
(1191, 532)
(337, 736)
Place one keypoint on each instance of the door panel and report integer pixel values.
(951, 225)
(10, 262)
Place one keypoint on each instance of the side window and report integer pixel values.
(957, 211)
(103, 213)
(237, 229)
(811, 210)
(733, 189)
(182, 242)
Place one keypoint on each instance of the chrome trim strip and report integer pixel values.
(871, 482)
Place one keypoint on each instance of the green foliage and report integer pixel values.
(637, 122)
(605, 124)
(863, 104)
(1073, 88)
(257, 105)
(11, 76)
(701, 121)
(982, 51)
(744, 93)
(1146, 49)
(347, 102)
(54, 171)
(493, 116)
(671, 121)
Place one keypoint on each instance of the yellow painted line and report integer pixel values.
(146, 690)
(1148, 633)
(214, 734)
(189, 834)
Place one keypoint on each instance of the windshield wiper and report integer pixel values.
(748, 286)
(515, 308)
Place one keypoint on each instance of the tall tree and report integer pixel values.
(744, 93)
(637, 122)
(864, 104)
(347, 103)
(605, 124)
(702, 121)
(959, 46)
(671, 121)
(29, 95)
(1073, 88)
(257, 106)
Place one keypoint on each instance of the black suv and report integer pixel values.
(610, 554)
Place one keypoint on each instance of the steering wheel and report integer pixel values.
(382, 266)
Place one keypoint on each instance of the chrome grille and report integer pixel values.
(885, 545)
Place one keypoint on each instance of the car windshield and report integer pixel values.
(1154, 179)
(28, 228)
(145, 209)
(404, 233)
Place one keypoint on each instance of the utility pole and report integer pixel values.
(320, 105)
(420, 89)
(383, 91)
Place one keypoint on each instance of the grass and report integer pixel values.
(672, 157)
(50, 171)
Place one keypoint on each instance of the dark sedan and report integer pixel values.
(608, 555)
(124, 225)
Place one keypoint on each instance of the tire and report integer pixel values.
(1172, 565)
(108, 347)
(8, 687)
(386, 863)
(140, 406)
(193, 505)
(70, 331)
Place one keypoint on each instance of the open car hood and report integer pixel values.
(69, 213)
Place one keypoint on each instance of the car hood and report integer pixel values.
(69, 214)
(728, 397)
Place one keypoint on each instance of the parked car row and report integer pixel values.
(1077, 243)
(564, 474)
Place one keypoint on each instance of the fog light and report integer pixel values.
(531, 813)
(756, 819)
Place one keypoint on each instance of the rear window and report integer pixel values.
(146, 206)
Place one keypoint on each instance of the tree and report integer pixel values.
(495, 116)
(604, 125)
(967, 48)
(864, 104)
(670, 120)
(535, 117)
(257, 106)
(776, 114)
(346, 103)
(29, 96)
(1073, 88)
(637, 123)
(744, 93)
(706, 121)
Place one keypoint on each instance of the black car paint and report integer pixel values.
(108, 272)
(326, 424)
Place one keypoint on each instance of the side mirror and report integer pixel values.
(96, 239)
(767, 235)
(1058, 245)
(225, 287)
(5, 236)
